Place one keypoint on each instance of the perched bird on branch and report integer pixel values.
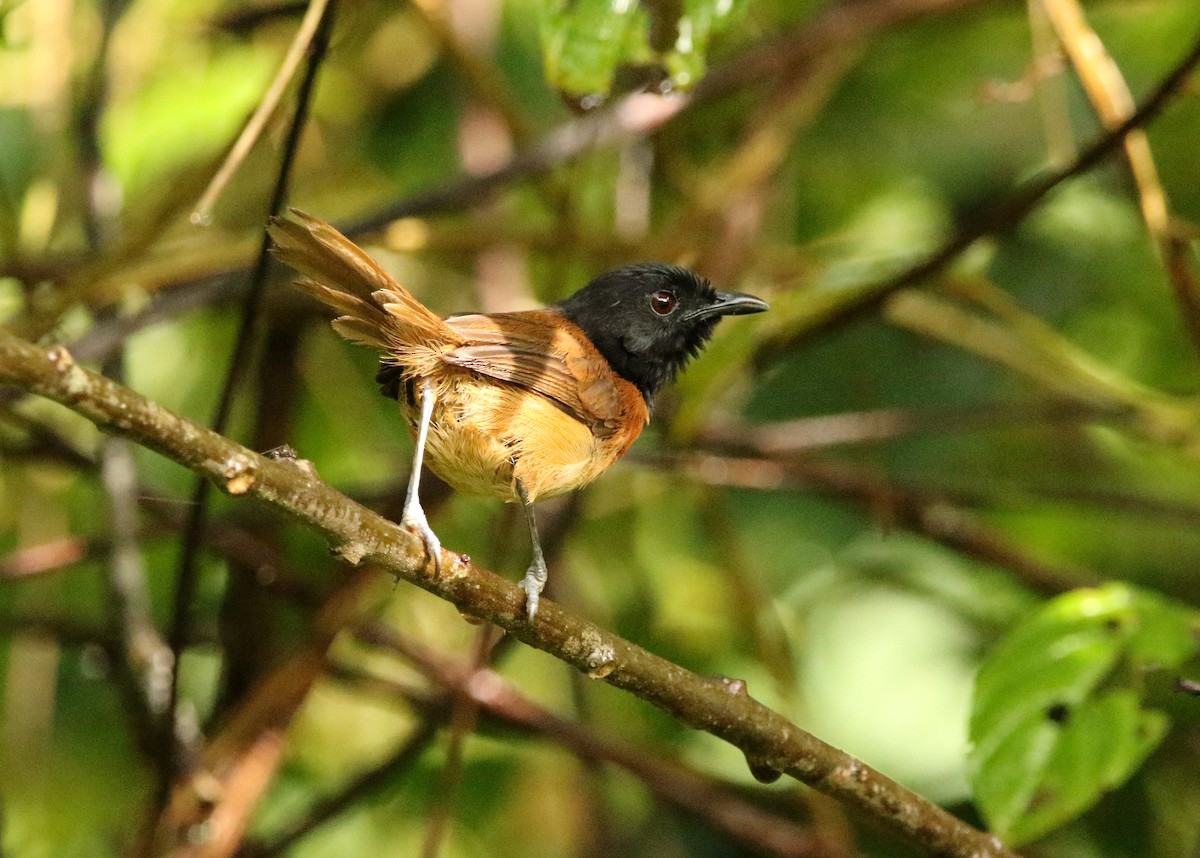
(514, 405)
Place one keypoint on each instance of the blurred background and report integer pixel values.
(846, 502)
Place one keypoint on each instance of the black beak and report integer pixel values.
(730, 304)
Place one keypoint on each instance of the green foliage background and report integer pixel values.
(855, 576)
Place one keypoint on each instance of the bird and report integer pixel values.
(520, 405)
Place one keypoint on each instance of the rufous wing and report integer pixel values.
(542, 351)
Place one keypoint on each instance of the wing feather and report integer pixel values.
(535, 350)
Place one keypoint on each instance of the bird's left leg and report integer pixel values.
(536, 575)
(414, 515)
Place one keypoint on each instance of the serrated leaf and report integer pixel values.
(1052, 725)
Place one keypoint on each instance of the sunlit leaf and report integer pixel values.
(584, 41)
(1060, 716)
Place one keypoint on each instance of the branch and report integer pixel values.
(1106, 88)
(641, 114)
(716, 803)
(718, 706)
(301, 45)
(1005, 214)
(937, 516)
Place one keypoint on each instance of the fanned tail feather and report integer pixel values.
(374, 309)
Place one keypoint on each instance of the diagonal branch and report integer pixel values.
(1005, 214)
(1109, 93)
(716, 705)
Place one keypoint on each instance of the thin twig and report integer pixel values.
(146, 653)
(370, 782)
(819, 432)
(209, 807)
(243, 20)
(267, 106)
(464, 712)
(718, 706)
(1110, 96)
(634, 117)
(483, 78)
(840, 25)
(246, 615)
(141, 660)
(43, 557)
(1022, 342)
(1048, 85)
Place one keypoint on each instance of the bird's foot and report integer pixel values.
(533, 584)
(414, 519)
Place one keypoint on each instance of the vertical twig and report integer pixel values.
(186, 582)
(301, 43)
(245, 625)
(1110, 97)
(143, 649)
(1048, 87)
(366, 784)
(464, 712)
(143, 660)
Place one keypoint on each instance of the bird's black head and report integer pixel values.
(649, 319)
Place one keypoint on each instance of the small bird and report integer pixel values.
(517, 405)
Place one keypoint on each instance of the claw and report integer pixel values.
(414, 519)
(536, 575)
(533, 583)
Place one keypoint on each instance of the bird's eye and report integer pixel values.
(663, 302)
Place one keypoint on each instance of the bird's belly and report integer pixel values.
(469, 460)
(482, 438)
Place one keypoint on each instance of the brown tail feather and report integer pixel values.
(342, 276)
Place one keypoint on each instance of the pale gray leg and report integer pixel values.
(414, 516)
(536, 575)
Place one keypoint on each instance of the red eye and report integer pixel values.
(662, 302)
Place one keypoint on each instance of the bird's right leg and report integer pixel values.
(414, 516)
(536, 575)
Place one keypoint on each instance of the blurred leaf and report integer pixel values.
(7, 7)
(589, 44)
(183, 114)
(584, 41)
(700, 21)
(1060, 712)
(419, 119)
(19, 142)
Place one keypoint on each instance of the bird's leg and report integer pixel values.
(414, 516)
(536, 575)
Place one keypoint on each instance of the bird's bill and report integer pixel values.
(731, 304)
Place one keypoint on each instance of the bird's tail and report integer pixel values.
(373, 308)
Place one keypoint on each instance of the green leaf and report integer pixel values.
(1060, 714)
(587, 43)
(701, 19)
(583, 41)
